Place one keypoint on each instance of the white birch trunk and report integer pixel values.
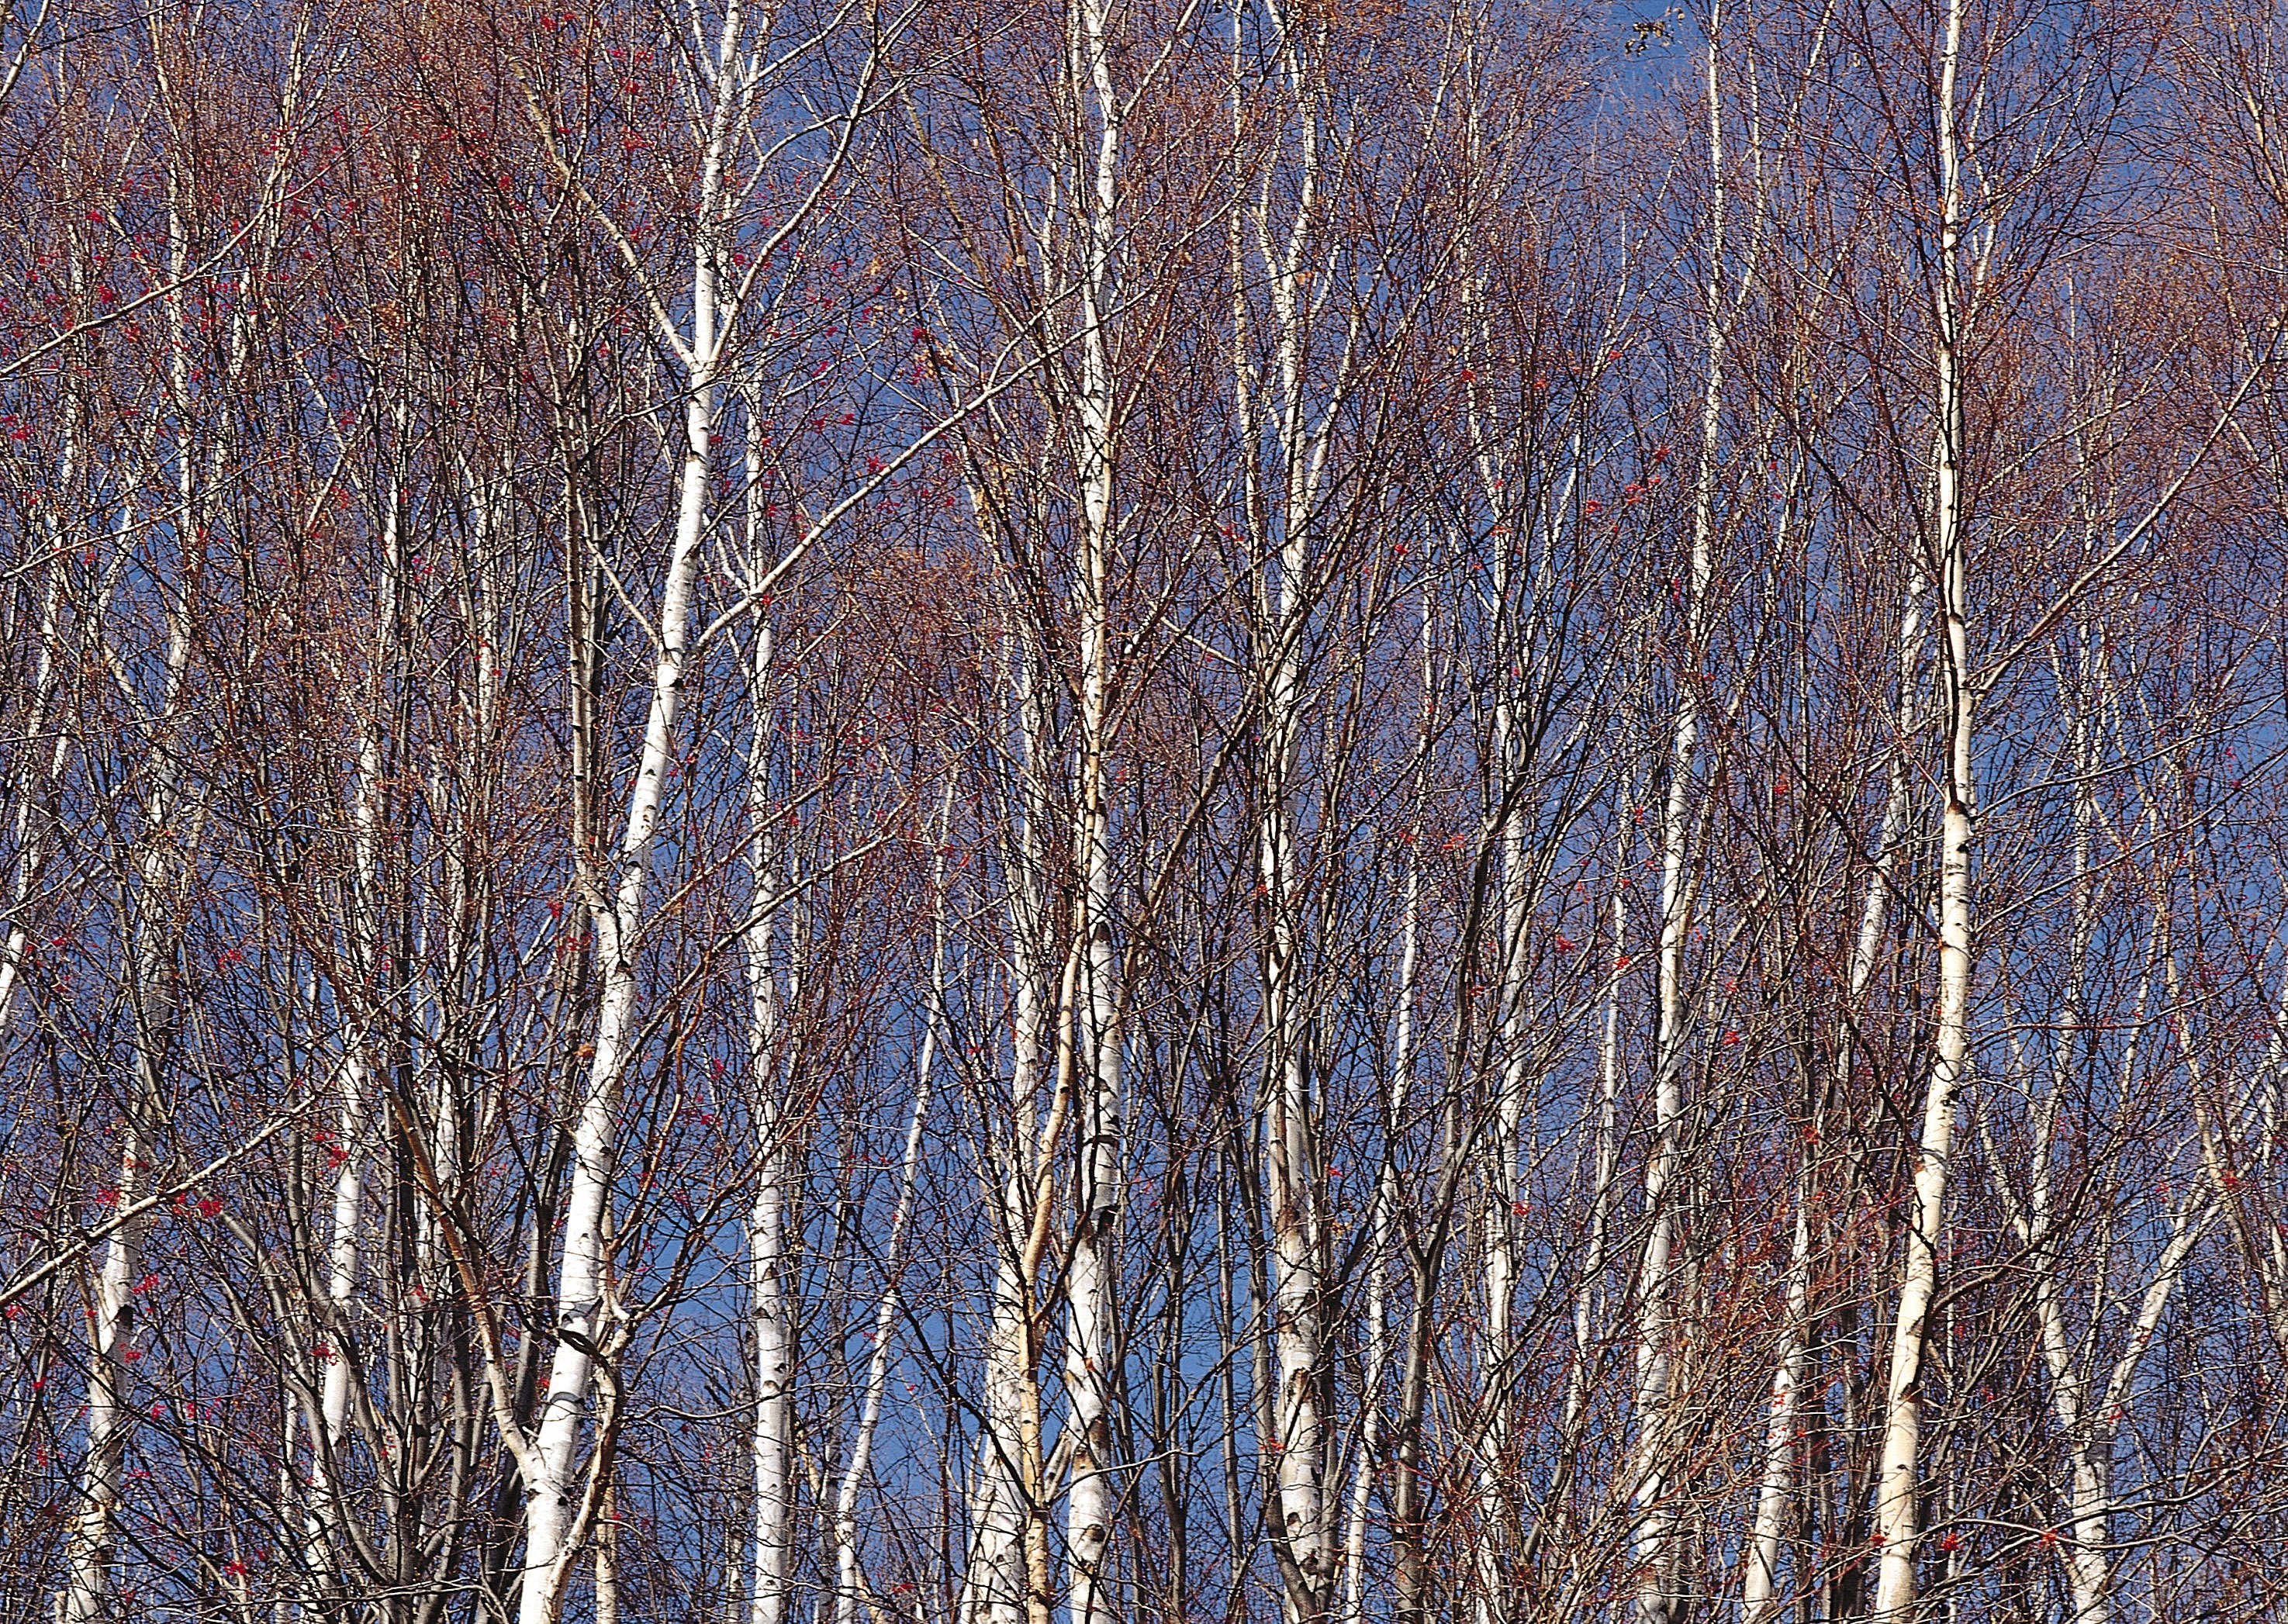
(1090, 1342)
(363, 935)
(1384, 1208)
(1772, 1495)
(770, 1307)
(553, 1519)
(549, 1497)
(558, 1504)
(1292, 1184)
(110, 1412)
(1605, 1153)
(1004, 1582)
(32, 811)
(1899, 1477)
(1500, 1218)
